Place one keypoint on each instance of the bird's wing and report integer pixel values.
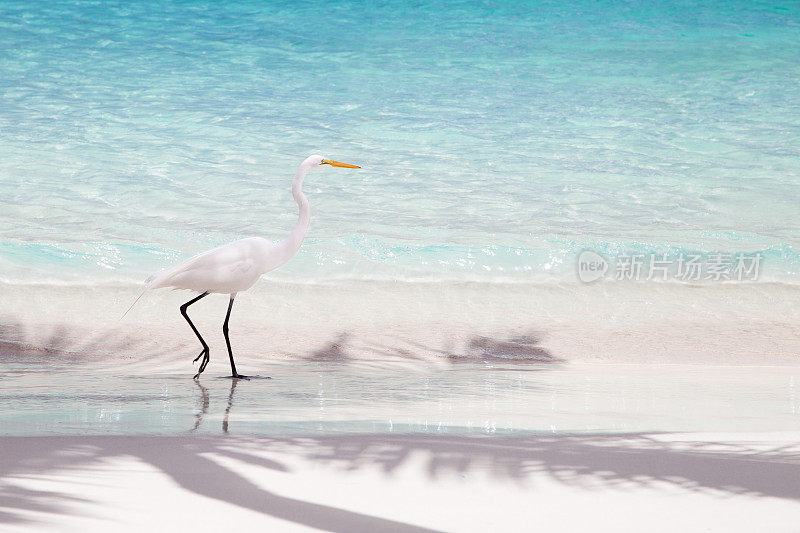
(163, 277)
(212, 267)
(243, 265)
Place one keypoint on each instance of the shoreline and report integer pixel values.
(652, 323)
(317, 398)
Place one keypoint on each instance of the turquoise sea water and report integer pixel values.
(498, 139)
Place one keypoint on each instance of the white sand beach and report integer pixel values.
(753, 324)
(352, 446)
(497, 266)
(402, 483)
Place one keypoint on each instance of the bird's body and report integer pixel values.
(228, 269)
(235, 267)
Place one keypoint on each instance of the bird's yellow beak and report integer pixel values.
(337, 164)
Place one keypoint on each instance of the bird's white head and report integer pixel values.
(317, 161)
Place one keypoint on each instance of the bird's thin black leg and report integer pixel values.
(234, 374)
(205, 353)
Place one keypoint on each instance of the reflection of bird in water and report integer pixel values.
(235, 267)
(206, 401)
(228, 409)
(204, 408)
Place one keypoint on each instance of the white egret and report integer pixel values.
(235, 267)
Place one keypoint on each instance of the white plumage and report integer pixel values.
(235, 267)
(228, 269)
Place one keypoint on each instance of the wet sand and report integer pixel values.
(753, 324)
(354, 446)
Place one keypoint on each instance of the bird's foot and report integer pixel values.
(239, 376)
(201, 354)
(205, 355)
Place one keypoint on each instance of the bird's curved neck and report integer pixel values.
(295, 238)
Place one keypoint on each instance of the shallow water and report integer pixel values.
(497, 139)
(325, 398)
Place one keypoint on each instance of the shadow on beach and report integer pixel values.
(594, 462)
(478, 348)
(197, 463)
(61, 343)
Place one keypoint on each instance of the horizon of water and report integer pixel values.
(497, 140)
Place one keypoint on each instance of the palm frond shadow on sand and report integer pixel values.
(595, 462)
(592, 462)
(59, 343)
(478, 348)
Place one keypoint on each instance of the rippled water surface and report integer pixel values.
(497, 138)
(318, 399)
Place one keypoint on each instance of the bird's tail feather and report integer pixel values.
(141, 293)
